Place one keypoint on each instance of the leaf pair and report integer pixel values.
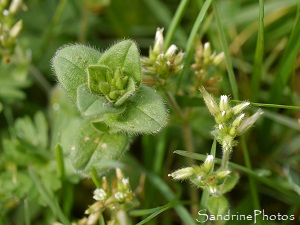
(107, 91)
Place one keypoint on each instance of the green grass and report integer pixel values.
(260, 41)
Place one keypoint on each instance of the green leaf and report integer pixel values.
(217, 205)
(145, 113)
(124, 55)
(91, 147)
(93, 105)
(230, 182)
(70, 64)
(97, 75)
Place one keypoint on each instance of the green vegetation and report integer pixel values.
(105, 105)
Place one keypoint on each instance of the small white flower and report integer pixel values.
(240, 107)
(247, 123)
(171, 51)
(99, 194)
(224, 103)
(125, 181)
(119, 196)
(208, 163)
(159, 41)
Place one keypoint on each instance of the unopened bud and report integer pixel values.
(16, 29)
(209, 163)
(171, 51)
(240, 107)
(247, 123)
(14, 6)
(159, 41)
(210, 102)
(218, 58)
(224, 104)
(182, 174)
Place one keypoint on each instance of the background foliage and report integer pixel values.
(265, 65)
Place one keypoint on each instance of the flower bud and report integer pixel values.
(182, 174)
(210, 102)
(99, 194)
(224, 105)
(218, 58)
(159, 41)
(237, 122)
(240, 107)
(209, 163)
(16, 29)
(247, 123)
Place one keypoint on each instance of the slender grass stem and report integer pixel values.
(175, 22)
(224, 44)
(40, 78)
(258, 58)
(49, 32)
(26, 213)
(60, 162)
(253, 189)
(48, 197)
(191, 39)
(95, 178)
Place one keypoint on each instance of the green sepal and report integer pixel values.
(230, 182)
(96, 76)
(69, 64)
(129, 91)
(217, 205)
(124, 55)
(145, 113)
(91, 147)
(91, 105)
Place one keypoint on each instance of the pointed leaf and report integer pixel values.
(230, 182)
(93, 105)
(96, 75)
(217, 205)
(91, 147)
(124, 55)
(145, 113)
(70, 64)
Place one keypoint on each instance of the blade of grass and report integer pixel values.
(154, 212)
(281, 119)
(48, 197)
(26, 213)
(164, 189)
(60, 162)
(162, 13)
(286, 67)
(252, 183)
(224, 44)
(190, 41)
(258, 58)
(175, 22)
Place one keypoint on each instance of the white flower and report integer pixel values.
(99, 194)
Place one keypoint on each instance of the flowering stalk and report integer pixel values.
(230, 123)
(162, 63)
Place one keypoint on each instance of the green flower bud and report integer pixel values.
(104, 87)
(247, 123)
(208, 164)
(182, 174)
(210, 102)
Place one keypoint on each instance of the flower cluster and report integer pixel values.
(116, 86)
(203, 176)
(9, 29)
(205, 67)
(230, 121)
(115, 197)
(161, 63)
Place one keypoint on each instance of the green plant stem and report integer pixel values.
(190, 43)
(175, 21)
(50, 31)
(40, 78)
(60, 162)
(188, 143)
(225, 159)
(224, 44)
(258, 59)
(253, 189)
(26, 213)
(48, 197)
(95, 178)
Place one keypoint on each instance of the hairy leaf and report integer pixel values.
(145, 113)
(70, 64)
(91, 147)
